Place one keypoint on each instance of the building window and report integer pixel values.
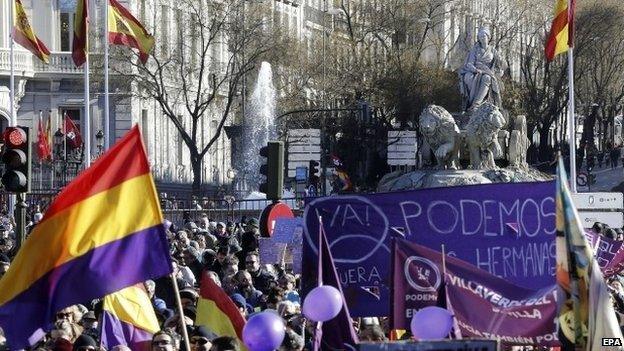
(66, 31)
(66, 27)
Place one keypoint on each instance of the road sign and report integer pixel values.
(612, 219)
(599, 201)
(301, 174)
(581, 179)
(402, 147)
(270, 214)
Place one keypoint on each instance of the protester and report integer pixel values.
(163, 341)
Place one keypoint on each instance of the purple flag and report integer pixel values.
(338, 333)
(609, 253)
(484, 305)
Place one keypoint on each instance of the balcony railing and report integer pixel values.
(26, 64)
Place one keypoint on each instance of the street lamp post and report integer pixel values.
(99, 139)
(59, 142)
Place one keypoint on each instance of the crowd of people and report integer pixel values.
(226, 252)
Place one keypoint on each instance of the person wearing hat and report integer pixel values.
(188, 297)
(200, 338)
(192, 259)
(85, 343)
(249, 240)
(90, 325)
(240, 302)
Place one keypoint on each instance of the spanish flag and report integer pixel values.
(24, 35)
(217, 312)
(128, 318)
(124, 29)
(561, 35)
(80, 44)
(102, 233)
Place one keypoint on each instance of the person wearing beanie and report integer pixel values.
(85, 343)
(200, 339)
(240, 302)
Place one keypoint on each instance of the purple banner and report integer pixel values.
(505, 229)
(484, 305)
(609, 253)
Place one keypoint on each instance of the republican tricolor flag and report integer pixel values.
(561, 35)
(103, 232)
(128, 318)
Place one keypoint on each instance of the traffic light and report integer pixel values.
(16, 159)
(273, 170)
(313, 172)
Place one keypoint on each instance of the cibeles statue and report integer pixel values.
(480, 76)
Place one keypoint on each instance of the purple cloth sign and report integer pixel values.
(609, 253)
(506, 229)
(484, 305)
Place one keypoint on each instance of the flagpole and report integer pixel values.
(319, 325)
(571, 117)
(443, 261)
(182, 318)
(87, 120)
(320, 252)
(106, 100)
(571, 120)
(12, 63)
(40, 130)
(13, 121)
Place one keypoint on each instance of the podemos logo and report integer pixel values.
(422, 274)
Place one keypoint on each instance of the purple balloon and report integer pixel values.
(322, 303)
(431, 323)
(264, 331)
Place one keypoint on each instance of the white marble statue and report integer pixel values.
(482, 133)
(480, 76)
(442, 134)
(518, 143)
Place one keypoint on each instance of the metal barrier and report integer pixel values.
(223, 211)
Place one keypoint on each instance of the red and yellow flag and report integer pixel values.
(24, 34)
(43, 145)
(125, 29)
(217, 312)
(561, 35)
(80, 44)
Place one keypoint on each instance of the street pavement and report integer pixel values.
(606, 179)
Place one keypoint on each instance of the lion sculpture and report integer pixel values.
(482, 136)
(442, 134)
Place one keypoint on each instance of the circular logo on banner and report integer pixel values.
(356, 228)
(422, 274)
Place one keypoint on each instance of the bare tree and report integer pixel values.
(200, 75)
(599, 60)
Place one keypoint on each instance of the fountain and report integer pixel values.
(259, 126)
